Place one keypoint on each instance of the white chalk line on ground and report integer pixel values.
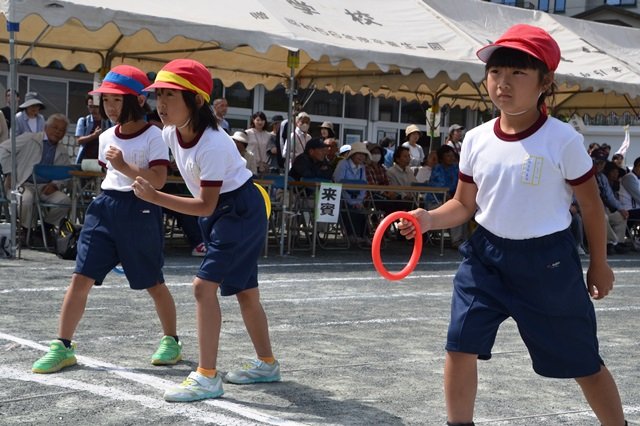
(148, 380)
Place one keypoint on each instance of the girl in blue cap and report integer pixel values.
(118, 226)
(518, 174)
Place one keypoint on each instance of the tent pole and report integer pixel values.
(293, 60)
(13, 27)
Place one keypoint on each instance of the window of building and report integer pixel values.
(276, 99)
(78, 92)
(620, 2)
(543, 5)
(356, 106)
(238, 96)
(560, 6)
(414, 112)
(324, 103)
(388, 110)
(52, 93)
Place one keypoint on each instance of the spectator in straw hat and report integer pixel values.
(416, 152)
(29, 119)
(326, 130)
(353, 168)
(242, 141)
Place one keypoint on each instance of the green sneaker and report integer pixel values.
(168, 353)
(194, 388)
(255, 372)
(56, 359)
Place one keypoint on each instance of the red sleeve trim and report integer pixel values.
(582, 179)
(214, 183)
(465, 178)
(159, 163)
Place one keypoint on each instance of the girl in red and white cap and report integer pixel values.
(119, 227)
(518, 174)
(232, 218)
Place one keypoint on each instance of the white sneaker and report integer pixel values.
(199, 251)
(194, 388)
(255, 372)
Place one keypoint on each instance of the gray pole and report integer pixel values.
(12, 27)
(292, 59)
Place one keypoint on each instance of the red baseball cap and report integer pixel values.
(528, 39)
(123, 80)
(185, 74)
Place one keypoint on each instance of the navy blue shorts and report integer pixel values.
(121, 228)
(539, 283)
(234, 235)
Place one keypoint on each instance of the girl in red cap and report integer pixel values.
(118, 226)
(517, 176)
(233, 222)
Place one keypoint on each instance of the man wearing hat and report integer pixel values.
(313, 162)
(454, 139)
(615, 212)
(29, 119)
(241, 140)
(416, 152)
(300, 136)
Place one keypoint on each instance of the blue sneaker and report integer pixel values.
(255, 371)
(194, 388)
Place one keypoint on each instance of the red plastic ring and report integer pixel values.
(377, 240)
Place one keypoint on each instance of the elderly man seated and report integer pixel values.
(313, 162)
(38, 148)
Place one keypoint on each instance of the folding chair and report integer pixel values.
(369, 212)
(275, 188)
(48, 173)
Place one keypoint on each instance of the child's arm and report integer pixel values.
(454, 212)
(203, 205)
(156, 175)
(599, 275)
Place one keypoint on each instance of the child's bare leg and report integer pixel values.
(165, 307)
(460, 386)
(208, 318)
(255, 320)
(601, 393)
(73, 305)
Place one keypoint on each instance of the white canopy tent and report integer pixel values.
(413, 49)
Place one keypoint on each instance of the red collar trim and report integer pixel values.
(508, 137)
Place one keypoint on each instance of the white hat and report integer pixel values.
(359, 148)
(345, 148)
(302, 115)
(411, 128)
(31, 98)
(240, 136)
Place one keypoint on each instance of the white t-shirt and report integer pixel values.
(212, 159)
(144, 149)
(416, 152)
(524, 180)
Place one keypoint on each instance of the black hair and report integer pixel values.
(386, 142)
(512, 58)
(201, 117)
(131, 109)
(399, 151)
(636, 162)
(443, 150)
(262, 116)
